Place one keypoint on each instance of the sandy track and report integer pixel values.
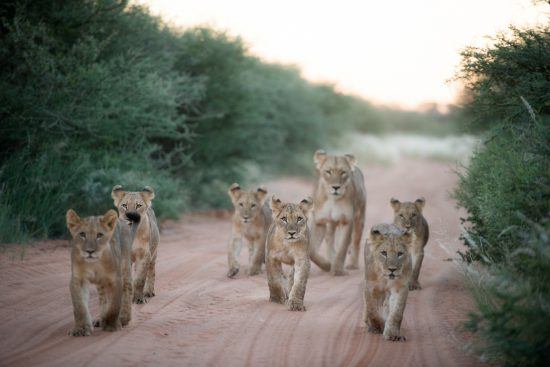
(199, 317)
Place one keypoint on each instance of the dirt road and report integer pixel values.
(201, 318)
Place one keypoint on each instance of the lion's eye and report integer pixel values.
(299, 219)
(283, 219)
(82, 234)
(99, 235)
(399, 254)
(402, 216)
(327, 172)
(384, 253)
(413, 215)
(124, 206)
(241, 205)
(253, 205)
(138, 206)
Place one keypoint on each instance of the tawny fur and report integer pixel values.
(100, 255)
(387, 275)
(144, 247)
(250, 224)
(340, 204)
(408, 217)
(288, 243)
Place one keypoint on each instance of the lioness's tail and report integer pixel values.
(319, 260)
(134, 218)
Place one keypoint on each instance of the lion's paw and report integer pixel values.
(295, 305)
(85, 330)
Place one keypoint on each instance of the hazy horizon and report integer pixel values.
(398, 54)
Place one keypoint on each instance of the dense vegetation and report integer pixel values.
(97, 93)
(506, 190)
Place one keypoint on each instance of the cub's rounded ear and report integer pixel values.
(419, 203)
(148, 194)
(396, 204)
(73, 220)
(276, 205)
(350, 158)
(109, 220)
(234, 191)
(306, 205)
(261, 194)
(376, 233)
(319, 158)
(117, 193)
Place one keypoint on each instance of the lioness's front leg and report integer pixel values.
(337, 267)
(233, 254)
(141, 274)
(276, 281)
(392, 329)
(82, 319)
(257, 257)
(317, 235)
(110, 320)
(329, 240)
(297, 292)
(358, 225)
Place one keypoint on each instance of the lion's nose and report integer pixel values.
(90, 252)
(291, 233)
(335, 188)
(392, 269)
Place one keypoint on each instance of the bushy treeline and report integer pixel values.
(506, 190)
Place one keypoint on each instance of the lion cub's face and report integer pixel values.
(248, 205)
(291, 219)
(132, 204)
(335, 172)
(391, 249)
(91, 235)
(407, 214)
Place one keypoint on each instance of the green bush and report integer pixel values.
(506, 191)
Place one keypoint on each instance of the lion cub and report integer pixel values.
(387, 275)
(144, 247)
(288, 243)
(101, 255)
(251, 222)
(408, 217)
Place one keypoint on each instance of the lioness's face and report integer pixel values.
(291, 219)
(407, 214)
(391, 249)
(130, 204)
(248, 205)
(91, 235)
(335, 171)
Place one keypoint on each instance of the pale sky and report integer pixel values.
(397, 52)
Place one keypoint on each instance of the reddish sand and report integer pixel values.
(201, 318)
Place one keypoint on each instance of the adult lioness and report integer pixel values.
(251, 222)
(408, 217)
(101, 255)
(387, 275)
(287, 243)
(340, 203)
(144, 247)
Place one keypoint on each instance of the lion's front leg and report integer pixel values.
(82, 318)
(375, 324)
(297, 292)
(102, 306)
(337, 267)
(233, 252)
(398, 301)
(257, 258)
(317, 236)
(149, 290)
(417, 259)
(127, 292)
(329, 240)
(110, 320)
(141, 275)
(276, 281)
